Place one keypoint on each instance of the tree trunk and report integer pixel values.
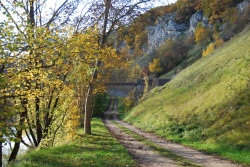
(39, 131)
(30, 128)
(1, 151)
(88, 110)
(14, 151)
(18, 136)
(89, 94)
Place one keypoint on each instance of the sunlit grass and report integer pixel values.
(228, 152)
(99, 149)
(208, 101)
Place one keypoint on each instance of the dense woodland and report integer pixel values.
(53, 67)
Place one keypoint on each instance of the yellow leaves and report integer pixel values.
(212, 46)
(40, 71)
(200, 34)
(86, 51)
(218, 41)
(155, 66)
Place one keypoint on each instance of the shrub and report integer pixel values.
(129, 101)
(99, 107)
(212, 46)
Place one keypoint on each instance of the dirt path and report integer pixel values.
(143, 154)
(146, 156)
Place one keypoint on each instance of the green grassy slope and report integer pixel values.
(208, 102)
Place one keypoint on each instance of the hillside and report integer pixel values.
(177, 35)
(208, 102)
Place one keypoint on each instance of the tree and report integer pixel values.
(173, 52)
(109, 15)
(221, 7)
(31, 47)
(216, 10)
(202, 34)
(185, 9)
(212, 46)
(155, 66)
(135, 72)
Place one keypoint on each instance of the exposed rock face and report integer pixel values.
(166, 28)
(194, 20)
(243, 5)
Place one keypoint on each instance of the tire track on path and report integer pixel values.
(143, 154)
(183, 151)
(186, 152)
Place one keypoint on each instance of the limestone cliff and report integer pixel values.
(167, 28)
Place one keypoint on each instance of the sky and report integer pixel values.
(54, 4)
(164, 2)
(156, 3)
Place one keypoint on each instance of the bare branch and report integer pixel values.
(15, 23)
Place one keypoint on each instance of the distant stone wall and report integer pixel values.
(120, 90)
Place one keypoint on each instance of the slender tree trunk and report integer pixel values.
(1, 151)
(18, 135)
(88, 109)
(15, 149)
(89, 94)
(28, 136)
(39, 131)
(30, 129)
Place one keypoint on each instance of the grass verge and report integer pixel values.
(120, 106)
(241, 156)
(98, 149)
(182, 161)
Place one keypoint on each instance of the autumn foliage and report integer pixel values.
(155, 66)
(44, 76)
(212, 46)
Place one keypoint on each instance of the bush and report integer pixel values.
(212, 46)
(129, 101)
